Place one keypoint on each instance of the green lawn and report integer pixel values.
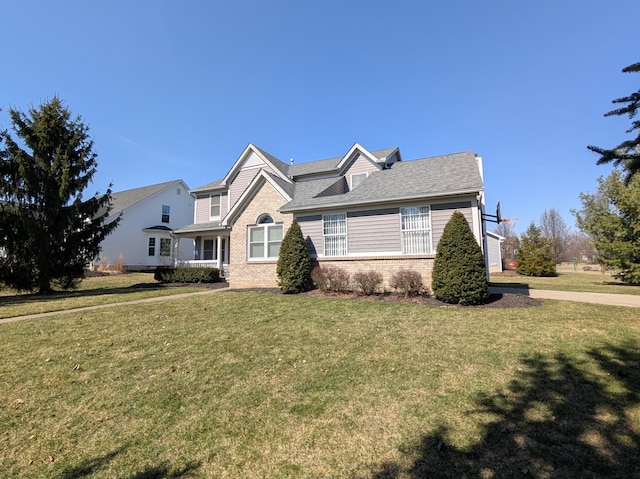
(258, 385)
(92, 291)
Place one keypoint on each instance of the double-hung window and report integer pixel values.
(152, 247)
(416, 230)
(166, 210)
(334, 234)
(214, 210)
(165, 247)
(265, 239)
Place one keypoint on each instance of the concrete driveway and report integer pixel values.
(629, 300)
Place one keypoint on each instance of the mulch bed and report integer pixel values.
(504, 300)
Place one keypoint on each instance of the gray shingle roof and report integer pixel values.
(126, 198)
(201, 227)
(424, 178)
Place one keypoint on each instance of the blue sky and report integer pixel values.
(177, 89)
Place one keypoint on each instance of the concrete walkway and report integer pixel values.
(110, 305)
(629, 300)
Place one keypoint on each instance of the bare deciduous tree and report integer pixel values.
(509, 246)
(556, 231)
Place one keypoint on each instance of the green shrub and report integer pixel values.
(331, 278)
(368, 282)
(294, 264)
(459, 272)
(535, 257)
(170, 274)
(407, 282)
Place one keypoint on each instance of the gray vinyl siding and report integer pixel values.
(240, 183)
(311, 227)
(375, 231)
(441, 214)
(360, 165)
(203, 207)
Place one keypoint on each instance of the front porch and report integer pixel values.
(211, 247)
(202, 263)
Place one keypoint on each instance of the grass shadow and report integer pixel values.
(558, 418)
(90, 467)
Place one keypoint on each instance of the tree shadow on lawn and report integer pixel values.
(557, 419)
(164, 471)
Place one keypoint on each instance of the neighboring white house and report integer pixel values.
(494, 252)
(144, 238)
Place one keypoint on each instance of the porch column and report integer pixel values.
(176, 252)
(219, 251)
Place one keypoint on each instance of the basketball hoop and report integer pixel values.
(506, 220)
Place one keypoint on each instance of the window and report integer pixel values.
(265, 239)
(215, 206)
(165, 213)
(152, 246)
(165, 247)
(358, 178)
(207, 250)
(334, 234)
(416, 230)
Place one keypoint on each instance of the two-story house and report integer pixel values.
(364, 210)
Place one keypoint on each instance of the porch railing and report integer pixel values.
(197, 263)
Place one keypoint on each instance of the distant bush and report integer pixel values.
(535, 257)
(407, 282)
(170, 274)
(368, 282)
(331, 278)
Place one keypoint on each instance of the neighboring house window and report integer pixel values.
(165, 247)
(215, 206)
(358, 178)
(152, 246)
(334, 234)
(265, 239)
(416, 230)
(165, 213)
(207, 250)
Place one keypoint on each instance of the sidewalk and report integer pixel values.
(109, 305)
(628, 300)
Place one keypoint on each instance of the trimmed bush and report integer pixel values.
(407, 282)
(459, 272)
(294, 264)
(170, 274)
(331, 278)
(368, 282)
(535, 257)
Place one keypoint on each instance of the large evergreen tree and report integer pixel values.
(627, 153)
(294, 264)
(48, 233)
(459, 273)
(611, 217)
(535, 257)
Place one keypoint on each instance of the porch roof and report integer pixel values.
(199, 228)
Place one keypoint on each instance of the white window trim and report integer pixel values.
(265, 241)
(365, 173)
(430, 230)
(219, 196)
(168, 213)
(345, 234)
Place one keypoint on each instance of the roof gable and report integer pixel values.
(284, 188)
(122, 200)
(252, 156)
